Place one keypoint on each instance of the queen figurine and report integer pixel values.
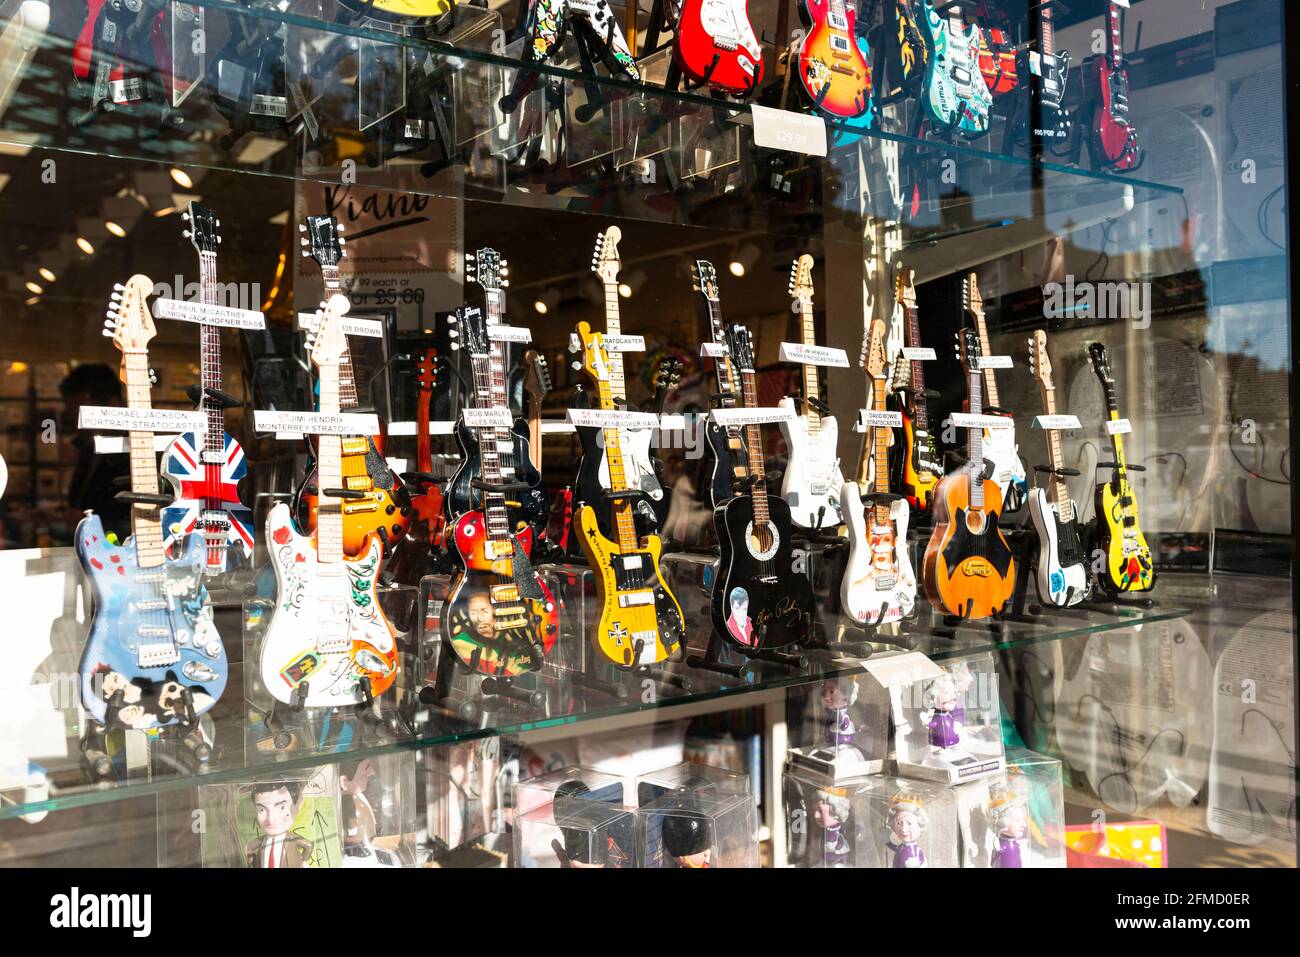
(1009, 818)
(907, 822)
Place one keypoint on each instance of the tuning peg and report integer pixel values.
(306, 253)
(303, 241)
(455, 347)
(153, 377)
(118, 287)
(342, 241)
(108, 332)
(505, 282)
(302, 227)
(185, 217)
(187, 234)
(218, 224)
(218, 240)
(340, 227)
(115, 296)
(469, 257)
(577, 366)
(111, 314)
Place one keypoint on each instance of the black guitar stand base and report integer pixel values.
(715, 659)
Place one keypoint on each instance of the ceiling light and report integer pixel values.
(181, 178)
(540, 307)
(547, 301)
(84, 245)
(737, 268)
(164, 211)
(744, 259)
(625, 290)
(47, 274)
(33, 300)
(115, 229)
(34, 287)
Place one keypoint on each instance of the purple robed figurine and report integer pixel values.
(907, 822)
(832, 811)
(909, 855)
(1009, 817)
(943, 730)
(837, 701)
(1007, 853)
(943, 724)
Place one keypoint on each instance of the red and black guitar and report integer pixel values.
(716, 45)
(833, 65)
(424, 541)
(1112, 140)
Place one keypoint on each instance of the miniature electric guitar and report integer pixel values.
(1048, 72)
(510, 444)
(205, 470)
(399, 11)
(918, 467)
(833, 64)
(969, 571)
(640, 621)
(726, 443)
(1112, 137)
(499, 618)
(328, 643)
(1128, 566)
(759, 600)
(650, 510)
(376, 500)
(153, 658)
(997, 55)
(715, 44)
(879, 584)
(1000, 446)
(812, 481)
(1062, 572)
(955, 96)
(537, 383)
(423, 543)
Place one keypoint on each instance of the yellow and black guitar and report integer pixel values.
(1128, 566)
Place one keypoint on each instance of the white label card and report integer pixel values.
(725, 417)
(919, 354)
(993, 362)
(964, 420)
(113, 444)
(443, 427)
(117, 418)
(613, 419)
(784, 130)
(624, 343)
(510, 334)
(1057, 422)
(880, 419)
(714, 350)
(208, 314)
(498, 417)
(315, 423)
(351, 325)
(1118, 426)
(814, 355)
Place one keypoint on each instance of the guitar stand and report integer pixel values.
(223, 399)
(371, 718)
(494, 686)
(94, 751)
(153, 499)
(713, 659)
(1015, 610)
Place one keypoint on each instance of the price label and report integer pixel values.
(880, 419)
(315, 423)
(1118, 426)
(624, 343)
(1057, 422)
(793, 132)
(919, 354)
(497, 417)
(814, 355)
(114, 444)
(993, 362)
(509, 334)
(726, 417)
(965, 420)
(116, 418)
(208, 314)
(714, 350)
(351, 325)
(613, 419)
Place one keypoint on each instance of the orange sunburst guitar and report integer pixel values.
(918, 465)
(969, 571)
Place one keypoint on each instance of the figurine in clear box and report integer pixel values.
(907, 822)
(275, 804)
(688, 838)
(941, 701)
(1009, 818)
(359, 822)
(838, 695)
(582, 821)
(832, 815)
(962, 680)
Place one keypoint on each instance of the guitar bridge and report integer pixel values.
(157, 654)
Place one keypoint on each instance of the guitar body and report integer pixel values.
(469, 619)
(722, 481)
(328, 630)
(461, 497)
(968, 564)
(638, 465)
(812, 481)
(152, 633)
(879, 585)
(1129, 566)
(709, 29)
(1112, 139)
(194, 483)
(833, 68)
(635, 605)
(1003, 453)
(1053, 122)
(778, 598)
(955, 96)
(998, 61)
(914, 481)
(383, 510)
(399, 11)
(1062, 573)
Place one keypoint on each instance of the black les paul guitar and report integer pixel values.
(759, 600)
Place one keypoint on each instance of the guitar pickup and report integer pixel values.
(158, 654)
(504, 593)
(495, 550)
(358, 483)
(636, 599)
(355, 446)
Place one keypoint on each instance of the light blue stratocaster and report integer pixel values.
(153, 658)
(955, 94)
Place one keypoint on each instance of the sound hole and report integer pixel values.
(975, 522)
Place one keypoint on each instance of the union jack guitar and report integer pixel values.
(205, 470)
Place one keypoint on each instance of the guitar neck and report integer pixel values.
(986, 349)
(329, 472)
(624, 524)
(810, 385)
(1046, 29)
(423, 445)
(1114, 36)
(920, 416)
(617, 388)
(210, 357)
(754, 441)
(880, 440)
(1058, 491)
(1116, 440)
(347, 379)
(146, 522)
(495, 451)
(975, 444)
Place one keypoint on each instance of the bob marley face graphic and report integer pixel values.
(481, 617)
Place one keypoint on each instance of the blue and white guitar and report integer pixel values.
(955, 96)
(204, 470)
(153, 658)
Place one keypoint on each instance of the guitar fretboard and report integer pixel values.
(975, 443)
(1047, 31)
(754, 444)
(912, 336)
(329, 472)
(347, 379)
(210, 357)
(1115, 36)
(617, 389)
(146, 522)
(810, 385)
(496, 443)
(986, 349)
(880, 437)
(1058, 491)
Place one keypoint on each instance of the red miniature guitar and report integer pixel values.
(716, 45)
(426, 505)
(832, 66)
(1113, 140)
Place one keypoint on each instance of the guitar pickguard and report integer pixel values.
(965, 547)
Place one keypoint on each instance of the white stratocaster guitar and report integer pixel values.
(812, 481)
(328, 643)
(1062, 575)
(1000, 448)
(879, 585)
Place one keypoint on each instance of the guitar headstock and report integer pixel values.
(969, 351)
(704, 279)
(326, 341)
(426, 370)
(668, 374)
(129, 323)
(471, 331)
(1040, 366)
(904, 287)
(972, 302)
(595, 360)
(323, 241)
(1101, 363)
(801, 284)
(741, 346)
(204, 232)
(875, 361)
(488, 269)
(605, 261)
(537, 377)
